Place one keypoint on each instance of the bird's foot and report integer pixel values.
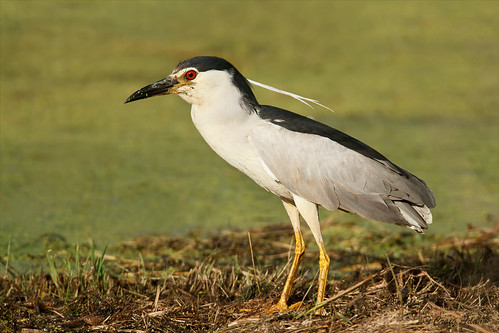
(320, 312)
(281, 307)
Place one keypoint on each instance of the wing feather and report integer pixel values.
(331, 174)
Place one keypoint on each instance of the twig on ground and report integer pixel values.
(340, 294)
(253, 262)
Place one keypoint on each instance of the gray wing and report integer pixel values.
(334, 175)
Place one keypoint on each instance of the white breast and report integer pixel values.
(226, 128)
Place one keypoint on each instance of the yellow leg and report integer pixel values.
(323, 271)
(282, 305)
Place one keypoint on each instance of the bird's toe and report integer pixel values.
(281, 307)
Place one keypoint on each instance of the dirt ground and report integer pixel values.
(220, 283)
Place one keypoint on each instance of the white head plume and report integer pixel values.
(295, 96)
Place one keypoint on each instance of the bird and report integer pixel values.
(304, 162)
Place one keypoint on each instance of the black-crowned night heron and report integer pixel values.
(304, 162)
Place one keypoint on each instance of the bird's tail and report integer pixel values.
(417, 217)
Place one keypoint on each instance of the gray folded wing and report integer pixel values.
(331, 174)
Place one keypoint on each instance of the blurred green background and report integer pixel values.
(418, 81)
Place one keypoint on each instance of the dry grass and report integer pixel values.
(214, 284)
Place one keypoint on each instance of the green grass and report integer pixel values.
(416, 80)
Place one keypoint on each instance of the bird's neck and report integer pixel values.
(219, 104)
(224, 112)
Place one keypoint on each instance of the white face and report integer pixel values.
(201, 88)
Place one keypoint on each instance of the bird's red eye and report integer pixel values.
(191, 75)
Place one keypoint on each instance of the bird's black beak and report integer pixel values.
(162, 87)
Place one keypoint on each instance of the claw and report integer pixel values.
(320, 312)
(281, 307)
